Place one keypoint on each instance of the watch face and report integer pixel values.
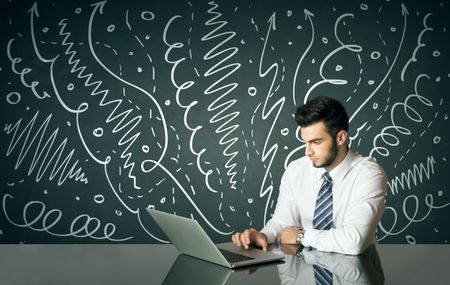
(299, 238)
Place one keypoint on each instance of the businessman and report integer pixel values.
(332, 199)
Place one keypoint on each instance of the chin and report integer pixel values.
(317, 165)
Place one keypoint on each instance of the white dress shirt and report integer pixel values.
(359, 188)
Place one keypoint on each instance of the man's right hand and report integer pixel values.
(250, 237)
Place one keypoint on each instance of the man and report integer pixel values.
(351, 189)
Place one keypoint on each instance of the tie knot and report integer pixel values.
(327, 177)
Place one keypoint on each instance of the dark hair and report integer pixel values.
(323, 109)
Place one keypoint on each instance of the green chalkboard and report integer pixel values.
(187, 106)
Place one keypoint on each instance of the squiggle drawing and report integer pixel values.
(269, 154)
(410, 213)
(113, 107)
(81, 227)
(48, 157)
(391, 139)
(217, 105)
(412, 177)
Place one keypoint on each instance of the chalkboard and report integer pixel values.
(187, 106)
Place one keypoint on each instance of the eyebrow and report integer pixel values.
(313, 140)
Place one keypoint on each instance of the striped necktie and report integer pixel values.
(323, 220)
(322, 275)
(323, 213)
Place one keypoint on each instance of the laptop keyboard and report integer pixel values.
(234, 257)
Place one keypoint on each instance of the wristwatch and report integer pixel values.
(299, 252)
(299, 238)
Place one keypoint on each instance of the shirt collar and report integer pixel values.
(339, 172)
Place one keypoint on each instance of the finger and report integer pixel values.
(236, 239)
(262, 242)
(240, 239)
(264, 247)
(245, 239)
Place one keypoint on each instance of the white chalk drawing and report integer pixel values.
(47, 156)
(112, 107)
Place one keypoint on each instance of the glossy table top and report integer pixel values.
(161, 264)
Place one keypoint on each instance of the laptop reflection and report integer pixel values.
(189, 270)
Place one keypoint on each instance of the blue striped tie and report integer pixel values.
(323, 214)
(323, 220)
(322, 275)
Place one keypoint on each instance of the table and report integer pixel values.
(155, 264)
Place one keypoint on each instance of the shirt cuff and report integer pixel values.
(309, 237)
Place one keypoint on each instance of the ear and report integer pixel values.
(341, 137)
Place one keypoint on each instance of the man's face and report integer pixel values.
(321, 148)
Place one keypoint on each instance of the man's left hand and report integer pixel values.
(289, 235)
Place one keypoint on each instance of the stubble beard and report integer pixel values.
(331, 156)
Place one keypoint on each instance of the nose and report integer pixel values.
(308, 150)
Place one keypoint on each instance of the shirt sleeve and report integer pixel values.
(360, 221)
(286, 211)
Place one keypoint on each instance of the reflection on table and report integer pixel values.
(190, 270)
(298, 268)
(150, 264)
(344, 269)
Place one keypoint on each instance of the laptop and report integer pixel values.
(189, 238)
